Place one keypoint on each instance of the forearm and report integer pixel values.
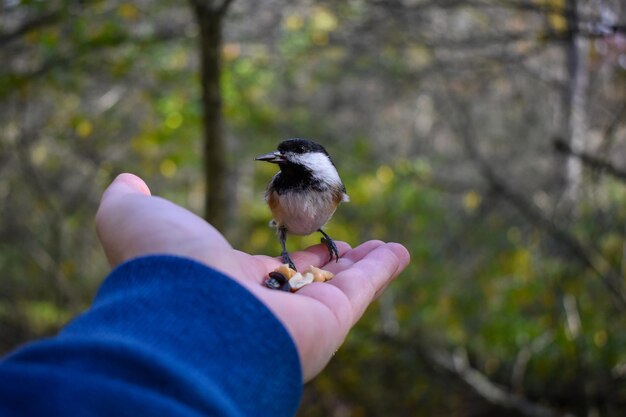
(167, 336)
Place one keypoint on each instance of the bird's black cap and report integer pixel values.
(300, 146)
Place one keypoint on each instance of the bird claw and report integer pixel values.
(332, 248)
(287, 260)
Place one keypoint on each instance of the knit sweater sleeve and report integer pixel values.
(165, 336)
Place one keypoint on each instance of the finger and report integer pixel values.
(353, 255)
(366, 279)
(316, 255)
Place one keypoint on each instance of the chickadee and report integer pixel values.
(304, 194)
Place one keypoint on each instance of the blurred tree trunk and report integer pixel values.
(209, 15)
(577, 49)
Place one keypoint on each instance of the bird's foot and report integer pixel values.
(287, 260)
(330, 245)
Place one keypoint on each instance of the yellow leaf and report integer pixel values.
(168, 168)
(471, 201)
(556, 15)
(174, 120)
(319, 38)
(293, 23)
(38, 153)
(84, 128)
(521, 264)
(418, 56)
(558, 22)
(384, 174)
(600, 338)
(323, 20)
(260, 238)
(128, 11)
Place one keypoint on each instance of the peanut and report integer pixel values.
(320, 275)
(286, 271)
(299, 280)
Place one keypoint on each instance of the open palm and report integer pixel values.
(130, 223)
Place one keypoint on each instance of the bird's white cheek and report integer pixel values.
(323, 170)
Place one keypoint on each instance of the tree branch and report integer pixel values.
(586, 256)
(609, 132)
(457, 364)
(523, 357)
(590, 160)
(88, 47)
(31, 24)
(599, 30)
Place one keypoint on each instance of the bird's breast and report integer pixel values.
(302, 213)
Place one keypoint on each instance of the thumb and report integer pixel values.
(111, 213)
(125, 184)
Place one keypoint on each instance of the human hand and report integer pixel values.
(131, 223)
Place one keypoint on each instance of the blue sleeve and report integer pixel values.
(165, 336)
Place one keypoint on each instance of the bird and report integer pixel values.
(305, 192)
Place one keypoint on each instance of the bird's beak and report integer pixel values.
(274, 157)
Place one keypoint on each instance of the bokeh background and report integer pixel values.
(488, 136)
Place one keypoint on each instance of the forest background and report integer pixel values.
(488, 136)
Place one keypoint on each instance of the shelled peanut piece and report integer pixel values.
(319, 275)
(287, 279)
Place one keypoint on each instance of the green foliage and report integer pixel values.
(111, 87)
